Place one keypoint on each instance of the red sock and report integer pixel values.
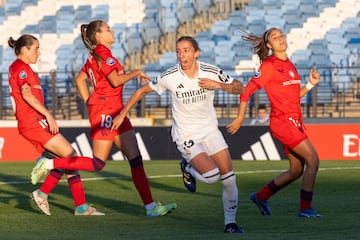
(79, 163)
(142, 184)
(77, 190)
(140, 180)
(305, 199)
(51, 181)
(267, 191)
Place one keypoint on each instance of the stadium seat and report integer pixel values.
(30, 29)
(207, 56)
(354, 43)
(319, 60)
(204, 36)
(221, 28)
(185, 11)
(254, 15)
(119, 52)
(150, 29)
(47, 25)
(322, 4)
(168, 60)
(202, 5)
(26, 3)
(82, 14)
(13, 8)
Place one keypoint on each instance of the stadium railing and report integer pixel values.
(336, 96)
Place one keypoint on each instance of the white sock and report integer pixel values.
(208, 177)
(229, 197)
(195, 173)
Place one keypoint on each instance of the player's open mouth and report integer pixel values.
(183, 63)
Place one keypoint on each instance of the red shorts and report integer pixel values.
(290, 131)
(37, 135)
(101, 121)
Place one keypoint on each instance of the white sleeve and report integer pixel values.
(224, 77)
(157, 84)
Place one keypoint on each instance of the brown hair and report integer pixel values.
(262, 106)
(259, 43)
(192, 40)
(25, 40)
(88, 32)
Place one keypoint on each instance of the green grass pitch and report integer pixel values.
(198, 215)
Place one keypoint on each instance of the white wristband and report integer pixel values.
(309, 86)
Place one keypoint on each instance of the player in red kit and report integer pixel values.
(107, 78)
(38, 126)
(278, 75)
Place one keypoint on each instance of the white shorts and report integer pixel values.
(212, 143)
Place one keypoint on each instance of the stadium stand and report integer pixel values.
(320, 33)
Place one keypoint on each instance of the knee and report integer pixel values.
(296, 173)
(313, 165)
(212, 176)
(98, 164)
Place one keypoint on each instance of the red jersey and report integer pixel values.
(282, 85)
(104, 92)
(21, 73)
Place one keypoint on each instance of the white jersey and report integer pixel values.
(192, 107)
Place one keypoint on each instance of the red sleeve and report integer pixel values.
(251, 87)
(83, 69)
(259, 80)
(110, 63)
(23, 76)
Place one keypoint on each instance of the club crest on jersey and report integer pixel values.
(22, 75)
(154, 81)
(257, 74)
(110, 61)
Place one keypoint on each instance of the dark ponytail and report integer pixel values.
(25, 40)
(88, 32)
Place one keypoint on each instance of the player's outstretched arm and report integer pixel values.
(138, 94)
(236, 87)
(117, 79)
(235, 125)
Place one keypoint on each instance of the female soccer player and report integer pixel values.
(108, 79)
(38, 126)
(195, 128)
(279, 77)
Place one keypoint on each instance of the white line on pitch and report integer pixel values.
(179, 175)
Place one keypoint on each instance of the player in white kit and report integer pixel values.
(195, 127)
